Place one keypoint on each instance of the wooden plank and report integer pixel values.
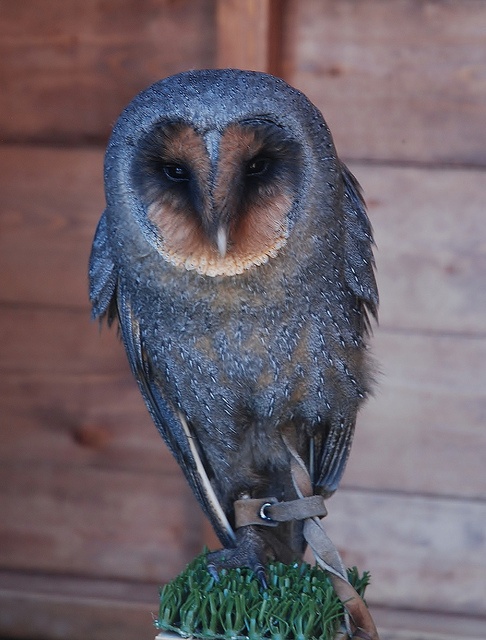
(396, 624)
(50, 202)
(27, 615)
(68, 71)
(428, 226)
(424, 553)
(68, 397)
(431, 259)
(33, 606)
(79, 420)
(423, 432)
(62, 341)
(398, 80)
(248, 34)
(387, 634)
(79, 587)
(96, 523)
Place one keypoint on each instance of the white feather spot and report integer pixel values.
(222, 240)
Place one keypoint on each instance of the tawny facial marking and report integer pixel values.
(236, 224)
(185, 145)
(260, 227)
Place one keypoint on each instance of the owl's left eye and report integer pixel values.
(176, 172)
(257, 166)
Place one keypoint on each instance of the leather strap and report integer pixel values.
(311, 509)
(269, 512)
(359, 623)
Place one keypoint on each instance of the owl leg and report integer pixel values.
(255, 546)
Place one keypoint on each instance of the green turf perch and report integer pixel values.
(299, 604)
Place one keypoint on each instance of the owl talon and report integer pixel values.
(261, 576)
(250, 551)
(213, 572)
(223, 560)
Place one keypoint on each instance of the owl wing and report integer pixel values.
(330, 453)
(359, 263)
(110, 299)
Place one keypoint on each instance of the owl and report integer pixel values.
(235, 254)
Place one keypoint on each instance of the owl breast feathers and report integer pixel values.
(236, 255)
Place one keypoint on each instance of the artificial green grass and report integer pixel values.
(299, 604)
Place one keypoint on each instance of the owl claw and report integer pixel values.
(249, 552)
(232, 561)
(213, 572)
(261, 576)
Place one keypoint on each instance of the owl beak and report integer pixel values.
(222, 240)
(217, 232)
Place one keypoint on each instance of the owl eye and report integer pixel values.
(257, 167)
(176, 172)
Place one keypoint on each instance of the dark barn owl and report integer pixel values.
(236, 255)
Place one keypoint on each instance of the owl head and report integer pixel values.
(214, 166)
(216, 171)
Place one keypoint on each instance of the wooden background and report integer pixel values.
(94, 512)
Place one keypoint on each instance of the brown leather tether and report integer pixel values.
(269, 512)
(310, 508)
(359, 623)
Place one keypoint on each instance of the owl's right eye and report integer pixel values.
(176, 172)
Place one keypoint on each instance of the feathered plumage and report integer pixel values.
(236, 255)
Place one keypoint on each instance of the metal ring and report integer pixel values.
(262, 513)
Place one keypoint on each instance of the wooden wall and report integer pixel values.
(94, 512)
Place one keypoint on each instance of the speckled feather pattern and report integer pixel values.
(278, 348)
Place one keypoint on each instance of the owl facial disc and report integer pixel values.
(218, 209)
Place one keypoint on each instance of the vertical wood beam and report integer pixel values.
(248, 34)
